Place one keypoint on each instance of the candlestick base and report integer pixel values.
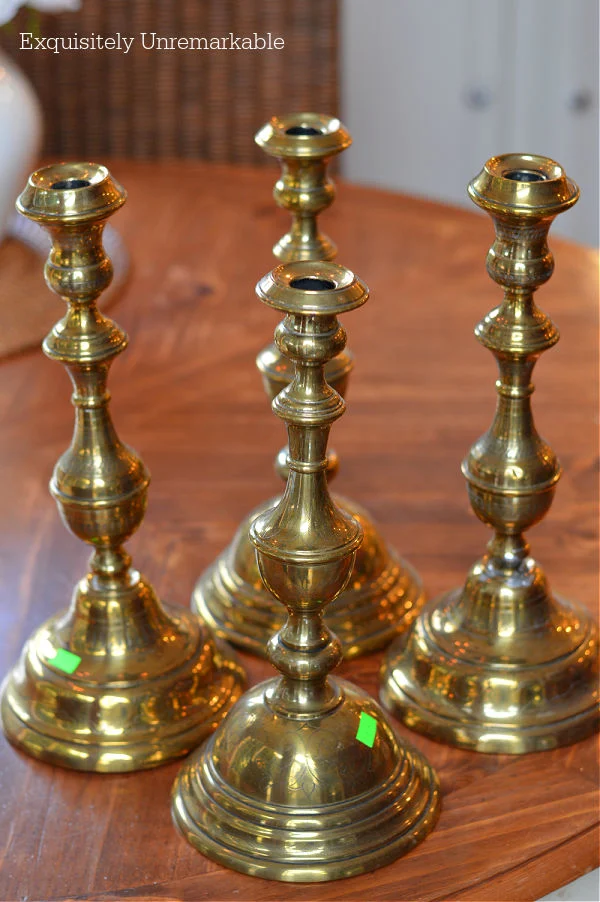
(145, 688)
(519, 687)
(301, 799)
(383, 597)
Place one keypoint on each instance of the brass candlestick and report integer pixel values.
(288, 787)
(384, 593)
(118, 681)
(501, 665)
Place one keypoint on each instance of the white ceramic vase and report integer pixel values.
(20, 134)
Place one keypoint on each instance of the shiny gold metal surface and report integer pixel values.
(285, 789)
(303, 144)
(502, 665)
(384, 593)
(118, 681)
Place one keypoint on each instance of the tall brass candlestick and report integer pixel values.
(502, 665)
(118, 681)
(288, 787)
(384, 593)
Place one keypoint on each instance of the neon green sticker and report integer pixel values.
(65, 660)
(367, 730)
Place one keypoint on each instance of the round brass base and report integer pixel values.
(301, 799)
(120, 713)
(526, 691)
(382, 599)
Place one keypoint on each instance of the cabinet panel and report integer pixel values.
(431, 89)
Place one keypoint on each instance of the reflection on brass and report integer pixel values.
(384, 593)
(304, 143)
(285, 789)
(118, 681)
(502, 665)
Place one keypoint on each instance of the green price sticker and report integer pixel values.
(367, 730)
(65, 660)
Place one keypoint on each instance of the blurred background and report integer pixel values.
(432, 89)
(428, 88)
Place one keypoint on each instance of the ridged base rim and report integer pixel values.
(487, 736)
(32, 692)
(418, 683)
(364, 622)
(298, 844)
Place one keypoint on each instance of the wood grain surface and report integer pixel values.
(187, 397)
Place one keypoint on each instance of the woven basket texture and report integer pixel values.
(153, 104)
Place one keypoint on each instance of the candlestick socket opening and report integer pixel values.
(312, 283)
(69, 184)
(525, 175)
(303, 130)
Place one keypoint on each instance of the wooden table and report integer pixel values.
(186, 395)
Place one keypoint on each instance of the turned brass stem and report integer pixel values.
(306, 534)
(100, 485)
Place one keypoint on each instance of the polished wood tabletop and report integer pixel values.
(186, 395)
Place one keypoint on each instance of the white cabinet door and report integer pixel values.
(432, 88)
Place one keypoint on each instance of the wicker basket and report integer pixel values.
(151, 104)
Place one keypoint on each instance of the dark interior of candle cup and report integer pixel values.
(303, 130)
(69, 184)
(312, 283)
(525, 175)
